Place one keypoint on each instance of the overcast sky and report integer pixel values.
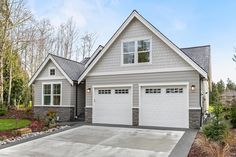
(186, 23)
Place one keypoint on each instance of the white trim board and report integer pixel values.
(133, 15)
(49, 57)
(141, 71)
(50, 78)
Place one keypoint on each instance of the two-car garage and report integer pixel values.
(163, 105)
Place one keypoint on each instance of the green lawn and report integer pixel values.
(9, 124)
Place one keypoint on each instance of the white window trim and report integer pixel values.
(52, 68)
(51, 101)
(136, 51)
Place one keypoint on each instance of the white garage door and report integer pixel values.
(164, 106)
(112, 106)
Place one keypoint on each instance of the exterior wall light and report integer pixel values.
(193, 87)
(88, 90)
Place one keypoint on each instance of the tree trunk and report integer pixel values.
(1, 78)
(10, 86)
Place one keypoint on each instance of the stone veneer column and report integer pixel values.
(135, 116)
(194, 118)
(88, 114)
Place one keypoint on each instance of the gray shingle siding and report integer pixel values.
(166, 77)
(162, 55)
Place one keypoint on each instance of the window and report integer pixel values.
(47, 94)
(52, 72)
(122, 91)
(128, 52)
(52, 94)
(136, 51)
(174, 90)
(104, 91)
(152, 90)
(56, 94)
(143, 51)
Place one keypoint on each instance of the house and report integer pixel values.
(139, 77)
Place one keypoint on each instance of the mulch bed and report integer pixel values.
(196, 151)
(19, 114)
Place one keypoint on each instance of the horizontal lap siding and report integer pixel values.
(45, 72)
(187, 76)
(162, 55)
(66, 92)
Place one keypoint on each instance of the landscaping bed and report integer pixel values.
(16, 125)
(199, 151)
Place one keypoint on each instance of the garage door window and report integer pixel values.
(121, 91)
(174, 90)
(153, 90)
(104, 91)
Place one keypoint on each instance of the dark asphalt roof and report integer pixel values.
(85, 60)
(72, 68)
(200, 55)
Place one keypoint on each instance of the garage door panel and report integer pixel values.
(167, 107)
(114, 107)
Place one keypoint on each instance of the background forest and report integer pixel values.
(26, 41)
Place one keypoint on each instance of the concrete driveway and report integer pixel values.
(99, 141)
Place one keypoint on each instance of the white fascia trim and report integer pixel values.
(122, 27)
(171, 45)
(43, 65)
(141, 71)
(156, 32)
(100, 47)
(50, 78)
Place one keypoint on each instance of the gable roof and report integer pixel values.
(200, 55)
(133, 15)
(69, 68)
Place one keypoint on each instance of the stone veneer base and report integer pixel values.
(64, 113)
(194, 117)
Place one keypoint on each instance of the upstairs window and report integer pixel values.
(52, 72)
(128, 52)
(135, 52)
(143, 51)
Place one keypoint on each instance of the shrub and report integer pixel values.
(233, 116)
(3, 111)
(50, 119)
(215, 130)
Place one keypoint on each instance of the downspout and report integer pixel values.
(76, 101)
(200, 98)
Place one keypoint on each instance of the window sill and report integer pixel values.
(137, 64)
